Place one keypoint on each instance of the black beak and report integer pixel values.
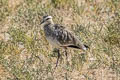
(42, 22)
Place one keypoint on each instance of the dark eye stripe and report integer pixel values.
(47, 18)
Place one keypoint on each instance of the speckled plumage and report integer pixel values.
(59, 36)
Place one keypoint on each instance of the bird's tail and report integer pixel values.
(85, 47)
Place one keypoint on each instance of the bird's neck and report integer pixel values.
(49, 23)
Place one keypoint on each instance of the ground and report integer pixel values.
(25, 54)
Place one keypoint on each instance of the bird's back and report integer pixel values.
(58, 35)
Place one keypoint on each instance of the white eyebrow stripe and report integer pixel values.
(48, 17)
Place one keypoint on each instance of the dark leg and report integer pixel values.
(58, 57)
(66, 54)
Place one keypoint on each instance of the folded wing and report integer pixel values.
(66, 38)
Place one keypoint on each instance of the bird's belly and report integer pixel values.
(53, 42)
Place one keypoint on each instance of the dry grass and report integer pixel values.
(26, 55)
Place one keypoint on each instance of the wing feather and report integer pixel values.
(66, 38)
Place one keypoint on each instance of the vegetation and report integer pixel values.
(26, 55)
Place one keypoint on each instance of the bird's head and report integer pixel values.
(47, 20)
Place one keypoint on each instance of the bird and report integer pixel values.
(60, 37)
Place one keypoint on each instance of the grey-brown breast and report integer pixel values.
(48, 29)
